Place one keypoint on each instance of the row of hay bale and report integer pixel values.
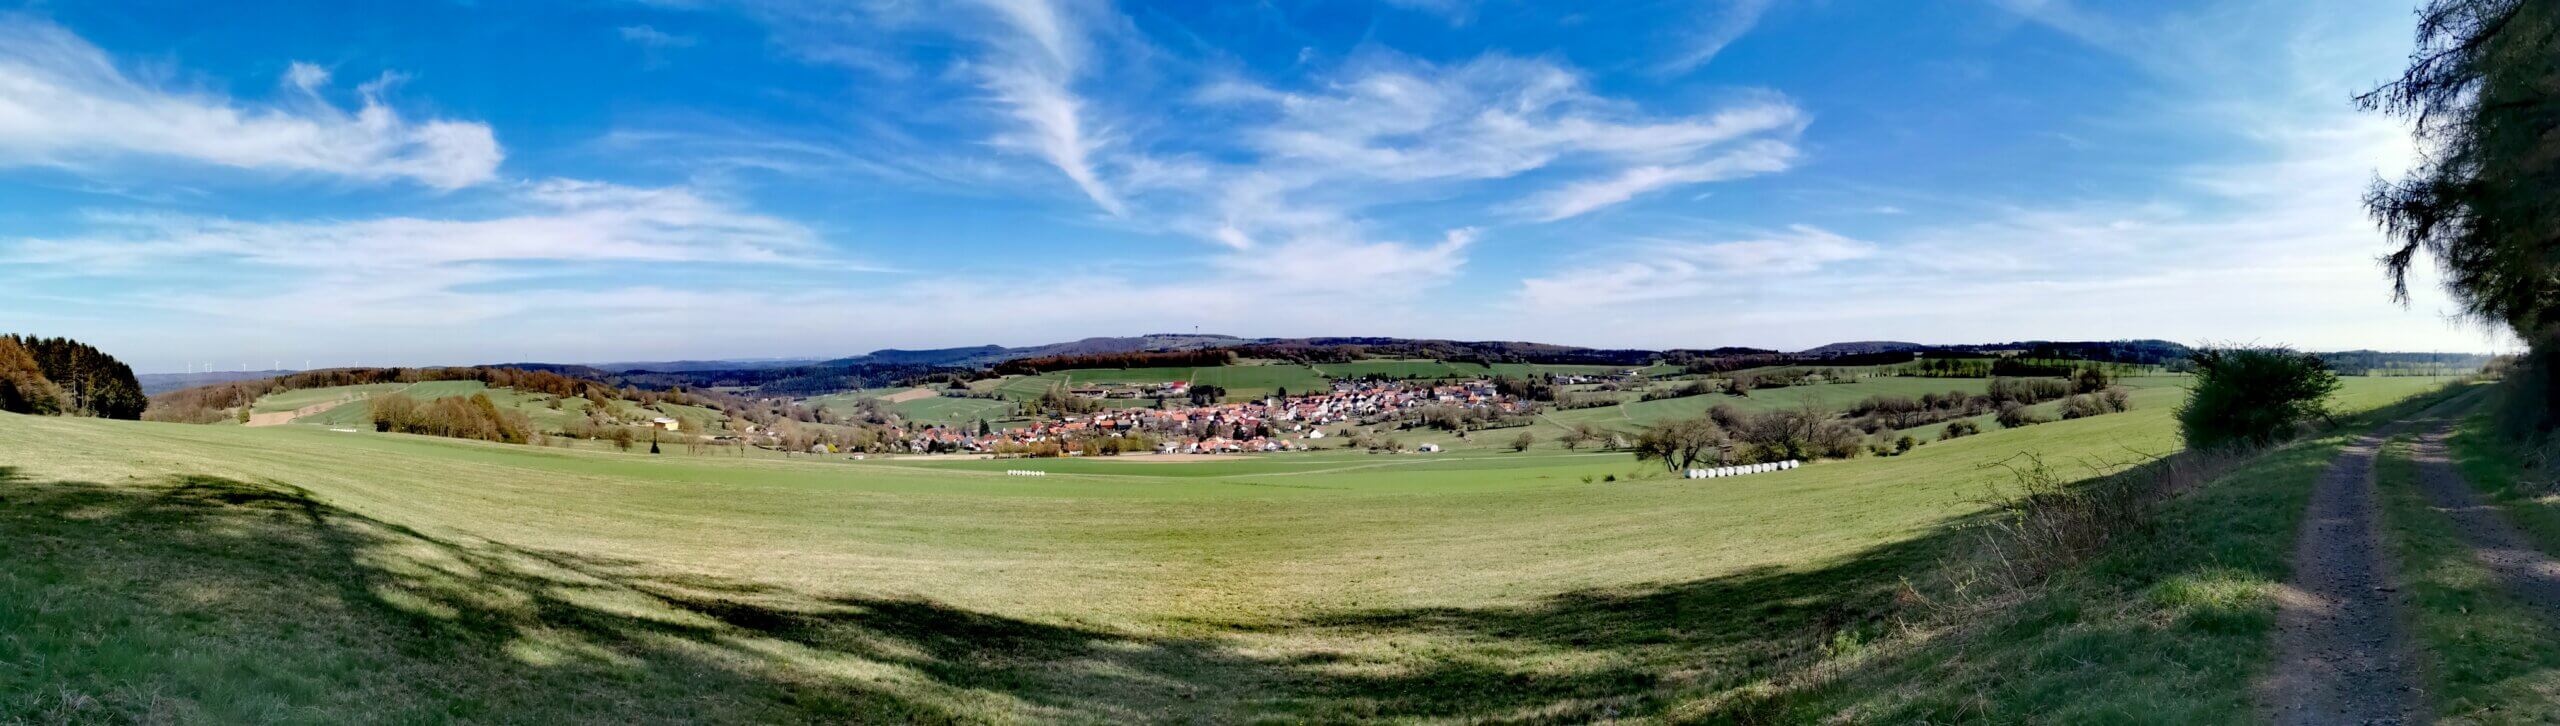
(1725, 471)
(1024, 472)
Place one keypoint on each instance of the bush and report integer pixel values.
(2084, 406)
(2253, 396)
(1959, 429)
(2015, 415)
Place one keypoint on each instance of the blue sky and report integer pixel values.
(449, 182)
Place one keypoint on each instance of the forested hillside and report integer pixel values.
(65, 376)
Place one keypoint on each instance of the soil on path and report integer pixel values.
(281, 418)
(2520, 566)
(2341, 655)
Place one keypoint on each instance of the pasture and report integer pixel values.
(310, 575)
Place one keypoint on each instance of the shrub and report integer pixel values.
(2117, 400)
(2083, 406)
(1959, 429)
(2015, 415)
(2253, 396)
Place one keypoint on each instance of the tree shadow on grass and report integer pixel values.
(206, 599)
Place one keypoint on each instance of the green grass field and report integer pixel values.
(938, 409)
(359, 413)
(281, 401)
(954, 410)
(295, 574)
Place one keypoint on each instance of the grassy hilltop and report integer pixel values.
(297, 574)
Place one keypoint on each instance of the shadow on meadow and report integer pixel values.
(205, 599)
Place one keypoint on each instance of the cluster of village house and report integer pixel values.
(1271, 424)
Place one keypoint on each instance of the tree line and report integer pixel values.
(64, 376)
(1162, 359)
(475, 417)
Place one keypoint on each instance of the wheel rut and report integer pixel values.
(2341, 653)
(2521, 567)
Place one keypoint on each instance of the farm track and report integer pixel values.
(2522, 568)
(2341, 651)
(281, 418)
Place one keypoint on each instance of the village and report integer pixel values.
(1276, 423)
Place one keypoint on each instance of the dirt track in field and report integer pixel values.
(281, 418)
(2522, 568)
(2341, 654)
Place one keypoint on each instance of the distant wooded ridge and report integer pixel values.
(946, 366)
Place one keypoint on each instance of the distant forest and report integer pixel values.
(2372, 362)
(1168, 359)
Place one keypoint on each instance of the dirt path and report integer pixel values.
(281, 418)
(2341, 657)
(2516, 562)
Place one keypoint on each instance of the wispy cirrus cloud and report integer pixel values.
(64, 103)
(1387, 129)
(559, 220)
(1271, 168)
(1583, 197)
(1457, 12)
(1672, 270)
(650, 37)
(1035, 62)
(1724, 23)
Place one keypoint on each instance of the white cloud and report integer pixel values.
(1387, 129)
(63, 103)
(1674, 270)
(651, 37)
(1727, 24)
(558, 220)
(1317, 265)
(1032, 74)
(1457, 12)
(1583, 197)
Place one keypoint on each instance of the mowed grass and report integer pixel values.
(946, 410)
(296, 574)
